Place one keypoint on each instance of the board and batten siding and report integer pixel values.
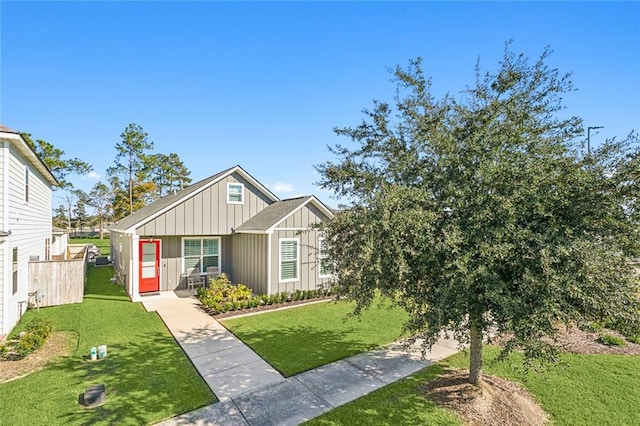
(298, 226)
(207, 212)
(171, 259)
(250, 252)
(303, 218)
(29, 223)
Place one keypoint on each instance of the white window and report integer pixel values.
(235, 193)
(26, 184)
(14, 269)
(200, 253)
(324, 266)
(289, 257)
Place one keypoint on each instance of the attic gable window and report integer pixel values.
(235, 193)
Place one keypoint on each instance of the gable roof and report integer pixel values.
(272, 215)
(158, 207)
(25, 149)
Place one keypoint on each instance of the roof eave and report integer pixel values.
(23, 147)
(132, 228)
(318, 203)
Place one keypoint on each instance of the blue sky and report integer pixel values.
(264, 84)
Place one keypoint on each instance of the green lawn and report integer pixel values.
(103, 245)
(299, 339)
(400, 403)
(148, 377)
(587, 390)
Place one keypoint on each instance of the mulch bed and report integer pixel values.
(579, 341)
(576, 341)
(58, 344)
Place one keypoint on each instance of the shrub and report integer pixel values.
(593, 327)
(34, 336)
(634, 339)
(39, 326)
(221, 291)
(611, 340)
(4, 351)
(28, 343)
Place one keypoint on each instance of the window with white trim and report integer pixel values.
(324, 267)
(26, 184)
(289, 259)
(235, 193)
(200, 253)
(14, 269)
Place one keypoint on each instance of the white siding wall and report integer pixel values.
(2, 296)
(30, 224)
(4, 146)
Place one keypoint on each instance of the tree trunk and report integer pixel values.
(475, 363)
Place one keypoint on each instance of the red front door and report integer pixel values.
(149, 265)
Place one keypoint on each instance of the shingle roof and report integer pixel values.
(272, 214)
(5, 129)
(164, 202)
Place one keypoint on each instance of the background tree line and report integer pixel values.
(138, 177)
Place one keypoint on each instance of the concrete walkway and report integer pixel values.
(251, 392)
(228, 366)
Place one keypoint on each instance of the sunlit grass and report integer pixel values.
(299, 339)
(147, 375)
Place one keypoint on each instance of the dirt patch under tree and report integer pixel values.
(495, 402)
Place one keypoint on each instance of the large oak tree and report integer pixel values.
(480, 211)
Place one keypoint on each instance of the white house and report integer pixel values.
(25, 222)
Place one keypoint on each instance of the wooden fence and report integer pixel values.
(58, 282)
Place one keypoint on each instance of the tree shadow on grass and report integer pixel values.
(146, 381)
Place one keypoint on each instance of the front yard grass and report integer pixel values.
(299, 339)
(587, 390)
(582, 390)
(147, 376)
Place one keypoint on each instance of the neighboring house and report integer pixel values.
(229, 221)
(25, 221)
(59, 242)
